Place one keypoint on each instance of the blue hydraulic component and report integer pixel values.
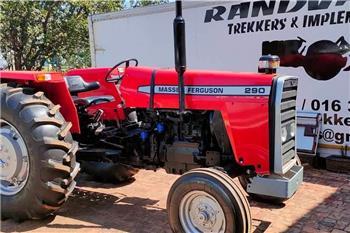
(144, 135)
(160, 127)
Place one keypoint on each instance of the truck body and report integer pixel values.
(311, 38)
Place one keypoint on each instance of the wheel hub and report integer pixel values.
(203, 217)
(201, 212)
(14, 165)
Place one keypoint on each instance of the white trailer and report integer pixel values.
(311, 38)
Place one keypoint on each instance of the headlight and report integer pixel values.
(284, 134)
(292, 129)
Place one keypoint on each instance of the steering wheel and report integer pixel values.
(120, 76)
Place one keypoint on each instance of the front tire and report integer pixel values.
(207, 200)
(49, 152)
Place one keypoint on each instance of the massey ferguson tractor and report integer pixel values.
(207, 126)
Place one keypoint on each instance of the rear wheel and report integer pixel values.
(37, 158)
(207, 200)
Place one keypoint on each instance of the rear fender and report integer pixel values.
(54, 88)
(58, 93)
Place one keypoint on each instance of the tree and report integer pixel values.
(35, 32)
(140, 3)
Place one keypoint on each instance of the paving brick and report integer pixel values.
(341, 225)
(321, 205)
(338, 231)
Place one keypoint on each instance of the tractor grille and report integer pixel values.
(288, 112)
(283, 112)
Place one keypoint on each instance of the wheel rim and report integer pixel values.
(14, 164)
(201, 212)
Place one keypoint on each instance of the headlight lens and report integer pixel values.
(287, 132)
(292, 129)
(284, 134)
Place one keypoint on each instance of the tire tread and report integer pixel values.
(65, 168)
(52, 111)
(226, 182)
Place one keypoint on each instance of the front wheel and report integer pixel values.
(207, 200)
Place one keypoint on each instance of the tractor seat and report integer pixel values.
(76, 84)
(87, 101)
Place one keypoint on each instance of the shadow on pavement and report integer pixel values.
(99, 210)
(264, 204)
(260, 225)
(332, 214)
(85, 180)
(96, 211)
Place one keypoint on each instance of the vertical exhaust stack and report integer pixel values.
(180, 57)
(180, 52)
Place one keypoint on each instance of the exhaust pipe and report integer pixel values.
(180, 57)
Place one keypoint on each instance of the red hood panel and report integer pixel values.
(136, 79)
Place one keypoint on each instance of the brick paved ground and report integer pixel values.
(321, 205)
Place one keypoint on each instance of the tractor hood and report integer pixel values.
(200, 85)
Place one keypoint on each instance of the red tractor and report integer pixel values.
(208, 126)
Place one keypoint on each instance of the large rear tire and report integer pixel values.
(207, 200)
(39, 176)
